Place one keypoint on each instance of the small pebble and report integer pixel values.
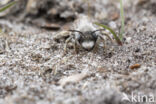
(128, 39)
(112, 24)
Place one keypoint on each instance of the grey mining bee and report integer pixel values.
(84, 34)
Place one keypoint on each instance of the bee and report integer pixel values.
(84, 34)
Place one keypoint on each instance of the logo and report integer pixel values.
(125, 98)
(138, 98)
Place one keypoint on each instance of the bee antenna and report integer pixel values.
(76, 31)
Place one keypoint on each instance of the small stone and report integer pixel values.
(128, 39)
(145, 19)
(112, 24)
(114, 16)
(102, 70)
(137, 50)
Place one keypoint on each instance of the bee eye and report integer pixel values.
(94, 35)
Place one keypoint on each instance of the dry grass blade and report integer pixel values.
(122, 20)
(112, 31)
(7, 6)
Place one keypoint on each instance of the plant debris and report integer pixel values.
(135, 66)
(72, 79)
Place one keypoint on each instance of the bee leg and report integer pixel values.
(96, 47)
(75, 47)
(108, 37)
(105, 47)
(66, 43)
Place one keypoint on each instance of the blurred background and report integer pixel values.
(35, 70)
(55, 13)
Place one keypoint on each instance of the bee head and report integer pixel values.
(86, 39)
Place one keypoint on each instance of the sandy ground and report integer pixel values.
(34, 69)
